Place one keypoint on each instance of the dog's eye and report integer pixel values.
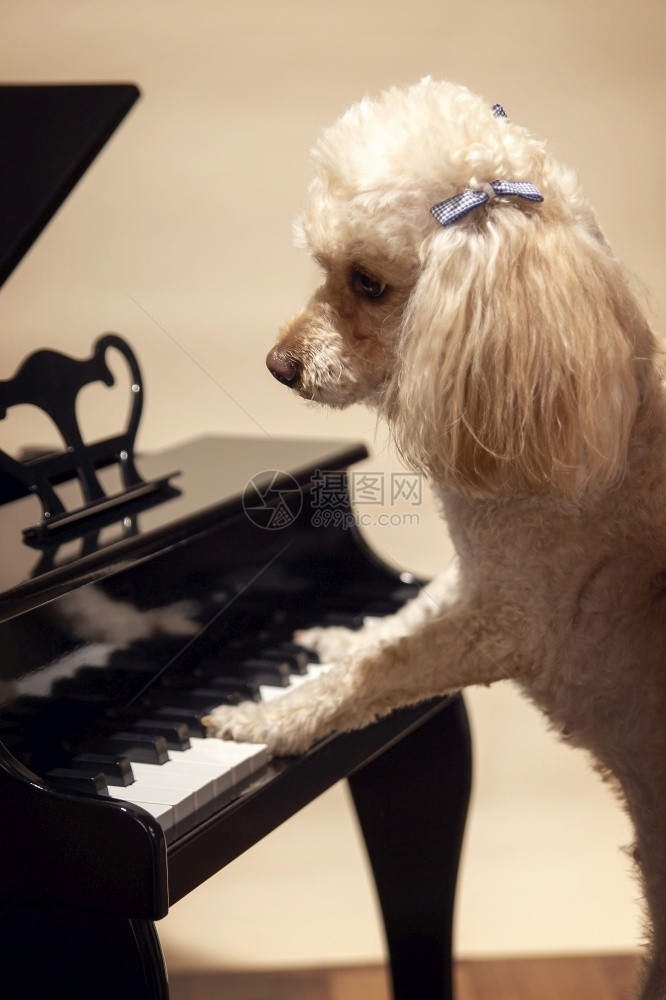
(367, 286)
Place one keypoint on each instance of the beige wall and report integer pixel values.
(178, 237)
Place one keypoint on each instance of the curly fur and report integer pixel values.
(515, 366)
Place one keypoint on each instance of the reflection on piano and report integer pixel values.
(124, 623)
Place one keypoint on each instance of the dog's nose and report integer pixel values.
(283, 368)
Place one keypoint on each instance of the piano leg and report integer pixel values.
(50, 952)
(411, 802)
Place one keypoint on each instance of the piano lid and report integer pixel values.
(49, 136)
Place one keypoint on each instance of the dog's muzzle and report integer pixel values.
(283, 368)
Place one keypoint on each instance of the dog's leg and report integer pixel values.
(336, 642)
(464, 646)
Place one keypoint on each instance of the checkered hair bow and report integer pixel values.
(459, 205)
(455, 208)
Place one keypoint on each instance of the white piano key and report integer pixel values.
(269, 692)
(219, 772)
(242, 759)
(317, 669)
(180, 801)
(197, 778)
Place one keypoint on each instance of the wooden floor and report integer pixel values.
(593, 978)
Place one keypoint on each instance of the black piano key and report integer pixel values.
(254, 670)
(114, 683)
(189, 717)
(72, 691)
(233, 688)
(305, 655)
(157, 650)
(209, 698)
(364, 594)
(200, 701)
(135, 746)
(381, 608)
(213, 674)
(129, 663)
(116, 769)
(77, 781)
(175, 733)
(196, 698)
(293, 656)
(271, 672)
(353, 620)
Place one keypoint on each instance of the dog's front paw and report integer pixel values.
(331, 644)
(242, 723)
(252, 722)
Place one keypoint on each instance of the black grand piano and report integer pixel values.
(136, 592)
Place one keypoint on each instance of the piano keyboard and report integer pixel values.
(195, 779)
(153, 750)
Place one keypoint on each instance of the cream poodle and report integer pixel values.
(470, 296)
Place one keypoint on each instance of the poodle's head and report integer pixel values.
(505, 348)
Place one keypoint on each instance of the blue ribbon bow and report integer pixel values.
(455, 208)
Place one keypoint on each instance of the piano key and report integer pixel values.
(294, 656)
(117, 770)
(210, 697)
(70, 690)
(304, 655)
(142, 749)
(241, 689)
(180, 802)
(194, 700)
(353, 620)
(263, 671)
(242, 670)
(156, 650)
(77, 781)
(128, 663)
(314, 670)
(175, 734)
(202, 780)
(243, 759)
(189, 717)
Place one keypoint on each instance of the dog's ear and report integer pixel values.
(522, 360)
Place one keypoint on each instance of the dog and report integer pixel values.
(470, 297)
